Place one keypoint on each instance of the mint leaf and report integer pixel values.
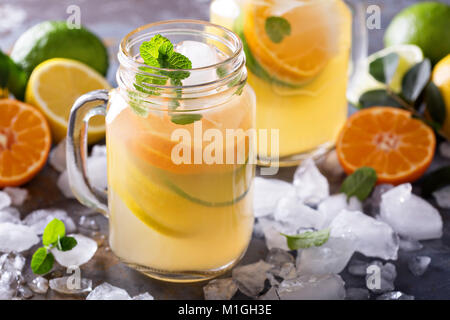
(54, 230)
(383, 68)
(185, 118)
(149, 50)
(66, 243)
(178, 61)
(360, 183)
(307, 239)
(42, 261)
(277, 28)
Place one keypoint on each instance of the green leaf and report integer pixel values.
(360, 183)
(383, 68)
(307, 239)
(435, 181)
(66, 243)
(42, 261)
(221, 72)
(379, 97)
(54, 230)
(435, 105)
(150, 50)
(185, 118)
(4, 70)
(178, 61)
(277, 28)
(416, 79)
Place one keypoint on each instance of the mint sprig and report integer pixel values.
(360, 183)
(277, 28)
(54, 237)
(159, 52)
(307, 239)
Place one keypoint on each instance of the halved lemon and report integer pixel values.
(54, 86)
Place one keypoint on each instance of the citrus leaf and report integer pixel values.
(277, 28)
(435, 181)
(383, 68)
(54, 230)
(360, 183)
(435, 105)
(416, 79)
(307, 239)
(42, 261)
(379, 97)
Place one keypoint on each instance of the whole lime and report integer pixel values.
(427, 25)
(55, 39)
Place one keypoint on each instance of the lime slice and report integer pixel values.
(409, 55)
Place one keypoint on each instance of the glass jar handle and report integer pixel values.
(359, 42)
(76, 149)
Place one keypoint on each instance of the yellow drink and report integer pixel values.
(300, 81)
(172, 218)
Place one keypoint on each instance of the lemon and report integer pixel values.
(441, 78)
(425, 24)
(409, 55)
(54, 86)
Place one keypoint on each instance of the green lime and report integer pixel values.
(54, 39)
(427, 25)
(12, 76)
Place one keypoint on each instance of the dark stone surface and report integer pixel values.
(114, 19)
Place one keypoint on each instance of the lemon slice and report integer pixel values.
(54, 86)
(408, 54)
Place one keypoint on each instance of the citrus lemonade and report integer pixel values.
(176, 218)
(297, 55)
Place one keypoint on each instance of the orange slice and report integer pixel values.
(25, 142)
(399, 147)
(302, 54)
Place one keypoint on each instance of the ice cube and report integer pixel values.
(143, 296)
(69, 285)
(272, 235)
(88, 223)
(287, 271)
(201, 55)
(5, 200)
(17, 195)
(312, 287)
(250, 278)
(331, 167)
(271, 294)
(39, 219)
(11, 279)
(357, 294)
(409, 215)
(333, 205)
(12, 262)
(267, 193)
(358, 268)
(442, 197)
(311, 186)
(292, 212)
(64, 185)
(8, 216)
(98, 151)
(372, 204)
(97, 171)
(386, 274)
(57, 158)
(278, 258)
(331, 257)
(444, 149)
(373, 238)
(418, 265)
(15, 237)
(395, 295)
(80, 254)
(39, 285)
(220, 289)
(23, 292)
(410, 245)
(105, 291)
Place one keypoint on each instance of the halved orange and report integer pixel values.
(312, 42)
(25, 142)
(399, 147)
